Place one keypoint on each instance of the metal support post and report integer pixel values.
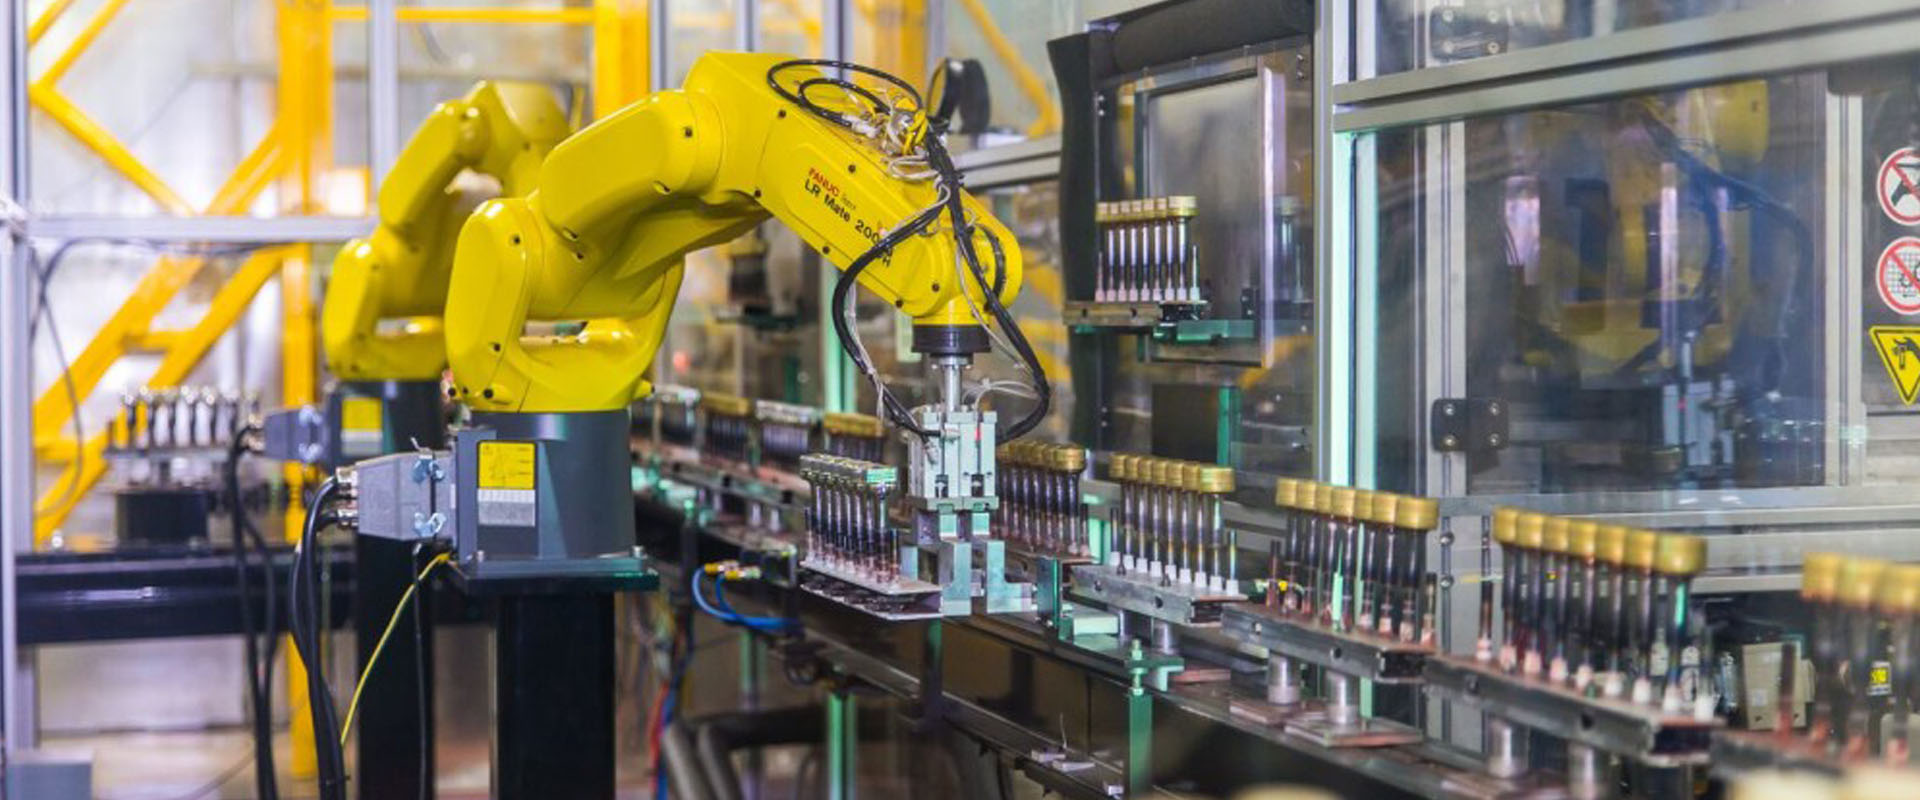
(751, 651)
(553, 697)
(383, 85)
(394, 750)
(1139, 732)
(843, 744)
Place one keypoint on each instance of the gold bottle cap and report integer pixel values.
(848, 424)
(1900, 590)
(1153, 471)
(1190, 475)
(1528, 530)
(1503, 524)
(1556, 535)
(1584, 539)
(1070, 458)
(1343, 501)
(1183, 205)
(1612, 543)
(1680, 554)
(726, 405)
(1285, 490)
(1118, 467)
(1386, 508)
(1363, 500)
(1820, 576)
(1169, 473)
(1010, 455)
(1323, 498)
(1643, 547)
(1876, 782)
(1419, 514)
(1860, 580)
(1216, 479)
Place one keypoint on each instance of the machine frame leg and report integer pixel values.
(553, 697)
(393, 744)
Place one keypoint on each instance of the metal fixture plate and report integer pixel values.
(1129, 316)
(1315, 726)
(1613, 726)
(1138, 593)
(1370, 657)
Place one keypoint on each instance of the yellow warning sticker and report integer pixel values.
(506, 465)
(1899, 347)
(360, 414)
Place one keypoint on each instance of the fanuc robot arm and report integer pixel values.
(601, 239)
(503, 130)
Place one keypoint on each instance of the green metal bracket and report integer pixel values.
(1049, 596)
(1204, 331)
(1139, 725)
(1228, 420)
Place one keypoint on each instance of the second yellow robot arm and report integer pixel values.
(387, 291)
(601, 241)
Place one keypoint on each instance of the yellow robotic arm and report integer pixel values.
(618, 206)
(399, 273)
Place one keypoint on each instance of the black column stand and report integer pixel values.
(553, 697)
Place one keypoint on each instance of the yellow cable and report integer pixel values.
(354, 705)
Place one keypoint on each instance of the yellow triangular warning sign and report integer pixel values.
(1899, 347)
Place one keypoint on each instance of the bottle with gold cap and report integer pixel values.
(1528, 536)
(1192, 571)
(1677, 559)
(1502, 528)
(1340, 518)
(1898, 604)
(1498, 527)
(1859, 583)
(1820, 589)
(1280, 549)
(1214, 483)
(1383, 540)
(1307, 596)
(1612, 559)
(1642, 547)
(1583, 556)
(1126, 472)
(1556, 539)
(1417, 518)
(1364, 534)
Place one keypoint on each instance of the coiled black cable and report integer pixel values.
(952, 183)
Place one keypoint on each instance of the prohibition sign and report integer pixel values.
(1899, 186)
(1898, 275)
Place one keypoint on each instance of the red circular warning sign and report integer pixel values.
(1898, 275)
(1899, 186)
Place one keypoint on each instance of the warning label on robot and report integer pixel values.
(1899, 347)
(1897, 275)
(506, 476)
(1900, 186)
(506, 465)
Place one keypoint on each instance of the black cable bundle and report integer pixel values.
(246, 538)
(951, 182)
(307, 627)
